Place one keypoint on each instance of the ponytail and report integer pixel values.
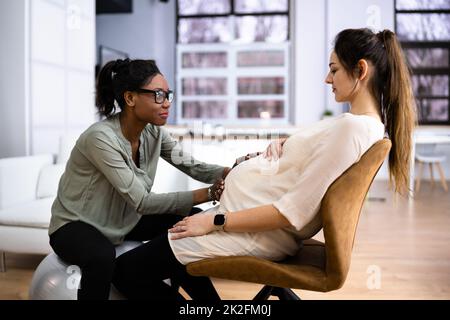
(399, 111)
(119, 76)
(104, 99)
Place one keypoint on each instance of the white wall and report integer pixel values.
(62, 70)
(14, 132)
(48, 73)
(147, 33)
(128, 32)
(310, 60)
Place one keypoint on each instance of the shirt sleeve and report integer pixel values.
(110, 161)
(172, 152)
(332, 156)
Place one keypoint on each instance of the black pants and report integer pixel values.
(81, 244)
(140, 272)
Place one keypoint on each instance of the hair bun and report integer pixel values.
(119, 63)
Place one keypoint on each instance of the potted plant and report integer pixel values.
(327, 114)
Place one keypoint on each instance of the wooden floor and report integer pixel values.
(402, 251)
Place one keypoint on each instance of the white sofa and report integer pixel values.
(28, 187)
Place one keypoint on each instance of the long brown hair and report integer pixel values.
(391, 86)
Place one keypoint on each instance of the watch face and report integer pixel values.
(219, 219)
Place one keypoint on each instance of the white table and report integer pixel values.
(431, 139)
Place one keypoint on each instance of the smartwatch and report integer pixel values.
(219, 221)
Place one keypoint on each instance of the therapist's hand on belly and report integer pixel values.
(192, 226)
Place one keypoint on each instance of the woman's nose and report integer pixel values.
(166, 104)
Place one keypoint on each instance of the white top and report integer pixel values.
(295, 184)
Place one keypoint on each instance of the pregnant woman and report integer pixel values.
(268, 207)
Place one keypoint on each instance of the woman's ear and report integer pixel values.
(129, 98)
(363, 69)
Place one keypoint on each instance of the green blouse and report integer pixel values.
(103, 187)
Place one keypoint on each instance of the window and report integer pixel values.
(232, 61)
(423, 27)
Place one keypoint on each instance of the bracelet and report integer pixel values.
(210, 196)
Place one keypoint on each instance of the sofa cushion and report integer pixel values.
(35, 214)
(48, 180)
(19, 178)
(66, 144)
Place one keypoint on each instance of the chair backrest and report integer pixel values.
(341, 207)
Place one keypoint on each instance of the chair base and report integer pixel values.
(281, 293)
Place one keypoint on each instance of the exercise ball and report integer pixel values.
(54, 279)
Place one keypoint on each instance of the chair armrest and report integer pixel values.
(19, 178)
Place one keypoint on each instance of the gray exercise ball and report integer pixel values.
(54, 279)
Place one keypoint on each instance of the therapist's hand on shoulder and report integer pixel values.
(193, 226)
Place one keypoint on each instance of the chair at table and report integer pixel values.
(317, 266)
(426, 154)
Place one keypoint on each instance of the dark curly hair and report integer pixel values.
(119, 76)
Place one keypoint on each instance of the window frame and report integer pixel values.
(431, 71)
(233, 72)
(232, 13)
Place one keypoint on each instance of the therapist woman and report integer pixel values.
(104, 196)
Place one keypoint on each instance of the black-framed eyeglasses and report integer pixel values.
(160, 95)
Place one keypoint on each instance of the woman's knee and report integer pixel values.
(82, 244)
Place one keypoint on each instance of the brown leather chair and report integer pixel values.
(317, 266)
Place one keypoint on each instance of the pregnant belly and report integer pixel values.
(246, 186)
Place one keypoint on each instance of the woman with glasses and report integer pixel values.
(104, 196)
